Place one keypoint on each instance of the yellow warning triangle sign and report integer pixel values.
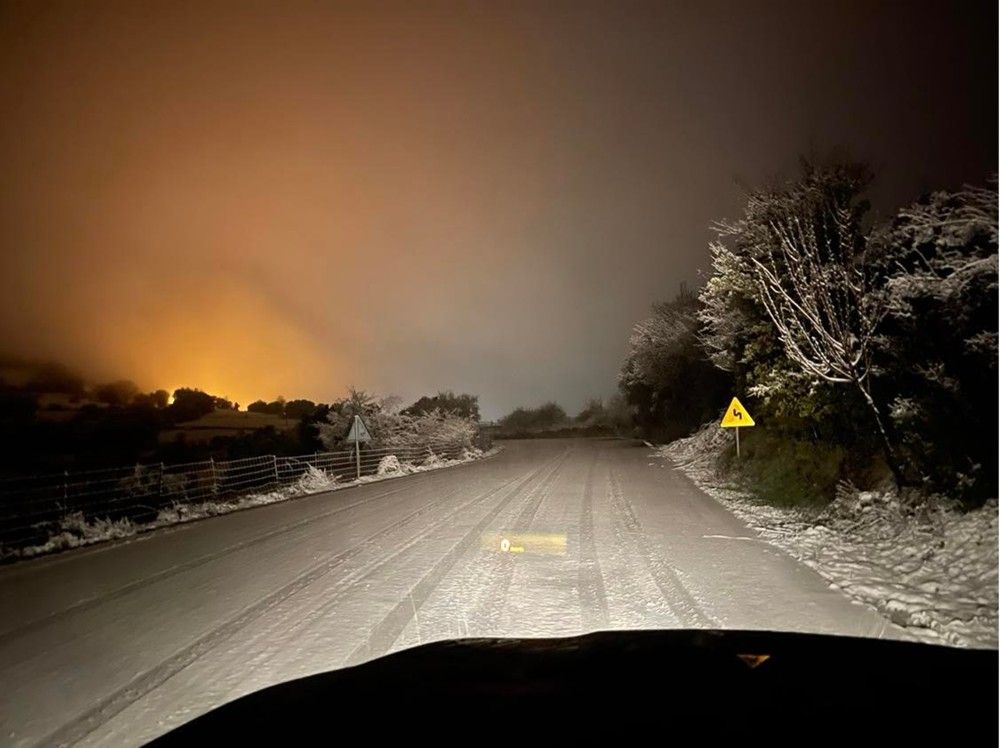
(736, 416)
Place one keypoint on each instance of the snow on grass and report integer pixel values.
(75, 530)
(389, 465)
(919, 560)
(313, 480)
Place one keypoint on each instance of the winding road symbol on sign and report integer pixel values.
(736, 416)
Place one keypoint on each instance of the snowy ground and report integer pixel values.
(923, 564)
(117, 644)
(75, 530)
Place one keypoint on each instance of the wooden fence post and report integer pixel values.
(215, 477)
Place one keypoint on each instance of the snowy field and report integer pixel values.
(924, 565)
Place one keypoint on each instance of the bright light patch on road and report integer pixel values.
(539, 543)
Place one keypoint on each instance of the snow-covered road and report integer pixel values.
(118, 644)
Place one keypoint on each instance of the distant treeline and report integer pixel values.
(51, 420)
(598, 418)
(862, 349)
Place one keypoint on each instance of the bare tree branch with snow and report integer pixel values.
(803, 246)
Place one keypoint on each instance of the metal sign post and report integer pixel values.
(357, 445)
(358, 433)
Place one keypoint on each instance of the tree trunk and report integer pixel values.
(887, 450)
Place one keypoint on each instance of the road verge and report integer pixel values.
(918, 560)
(76, 532)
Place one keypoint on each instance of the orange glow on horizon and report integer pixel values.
(299, 197)
(246, 352)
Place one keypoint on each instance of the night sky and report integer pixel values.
(289, 198)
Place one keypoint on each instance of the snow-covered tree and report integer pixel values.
(739, 337)
(666, 377)
(730, 315)
(447, 401)
(545, 417)
(803, 247)
(612, 413)
(341, 414)
(936, 350)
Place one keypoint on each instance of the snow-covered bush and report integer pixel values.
(313, 480)
(174, 486)
(392, 427)
(432, 460)
(438, 427)
(98, 528)
(144, 480)
(937, 347)
(75, 530)
(388, 465)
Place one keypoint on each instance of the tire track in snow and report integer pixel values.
(675, 594)
(494, 596)
(384, 635)
(344, 585)
(97, 600)
(78, 728)
(593, 596)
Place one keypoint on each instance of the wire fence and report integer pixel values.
(33, 507)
